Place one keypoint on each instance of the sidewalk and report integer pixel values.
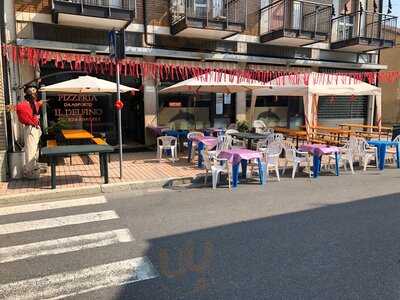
(84, 172)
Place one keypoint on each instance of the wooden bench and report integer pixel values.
(99, 141)
(51, 143)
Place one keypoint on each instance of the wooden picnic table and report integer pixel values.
(362, 126)
(368, 131)
(330, 135)
(293, 133)
(76, 134)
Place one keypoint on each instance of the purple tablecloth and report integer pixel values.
(236, 155)
(209, 141)
(319, 149)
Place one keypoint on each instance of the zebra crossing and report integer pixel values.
(59, 285)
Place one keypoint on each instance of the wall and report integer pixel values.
(3, 142)
(391, 91)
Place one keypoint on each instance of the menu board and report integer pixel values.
(219, 104)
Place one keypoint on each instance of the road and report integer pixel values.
(329, 238)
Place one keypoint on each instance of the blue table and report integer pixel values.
(179, 134)
(243, 163)
(318, 151)
(208, 142)
(239, 157)
(176, 133)
(381, 146)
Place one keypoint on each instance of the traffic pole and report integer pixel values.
(119, 121)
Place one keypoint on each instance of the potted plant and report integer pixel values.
(242, 126)
(55, 129)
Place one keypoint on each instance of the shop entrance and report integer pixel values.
(223, 112)
(96, 113)
(133, 116)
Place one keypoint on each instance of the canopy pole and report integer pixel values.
(119, 121)
(252, 108)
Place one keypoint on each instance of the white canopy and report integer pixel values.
(312, 85)
(86, 85)
(215, 82)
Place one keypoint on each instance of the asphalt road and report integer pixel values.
(329, 238)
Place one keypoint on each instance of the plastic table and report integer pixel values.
(250, 137)
(317, 150)
(382, 145)
(242, 156)
(208, 142)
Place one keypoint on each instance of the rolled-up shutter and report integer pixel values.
(342, 109)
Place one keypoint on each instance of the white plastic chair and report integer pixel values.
(190, 136)
(259, 126)
(167, 143)
(366, 153)
(271, 157)
(216, 166)
(295, 157)
(224, 142)
(349, 152)
(235, 141)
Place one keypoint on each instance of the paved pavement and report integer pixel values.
(330, 238)
(83, 171)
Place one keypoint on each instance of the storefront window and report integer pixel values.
(284, 111)
(94, 112)
(184, 111)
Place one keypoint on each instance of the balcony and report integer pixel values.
(363, 31)
(86, 13)
(212, 19)
(295, 23)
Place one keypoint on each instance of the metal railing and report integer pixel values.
(299, 15)
(228, 11)
(118, 4)
(364, 24)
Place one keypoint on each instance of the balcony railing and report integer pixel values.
(296, 15)
(112, 9)
(208, 11)
(364, 24)
(118, 4)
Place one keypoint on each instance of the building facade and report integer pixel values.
(289, 35)
(3, 126)
(391, 91)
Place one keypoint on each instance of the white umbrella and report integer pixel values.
(86, 85)
(91, 85)
(215, 82)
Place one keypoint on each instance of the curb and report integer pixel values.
(137, 187)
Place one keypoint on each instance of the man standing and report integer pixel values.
(28, 114)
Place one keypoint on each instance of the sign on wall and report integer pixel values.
(78, 108)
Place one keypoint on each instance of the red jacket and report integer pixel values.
(25, 113)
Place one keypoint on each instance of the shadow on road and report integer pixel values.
(344, 251)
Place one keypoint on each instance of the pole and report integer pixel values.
(119, 122)
(44, 111)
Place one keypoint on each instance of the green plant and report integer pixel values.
(242, 126)
(61, 124)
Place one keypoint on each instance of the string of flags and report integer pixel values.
(137, 68)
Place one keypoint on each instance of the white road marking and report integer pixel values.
(64, 245)
(67, 284)
(57, 222)
(26, 208)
